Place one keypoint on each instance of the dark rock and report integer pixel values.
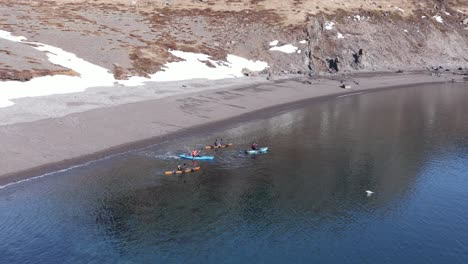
(333, 64)
(400, 71)
(358, 56)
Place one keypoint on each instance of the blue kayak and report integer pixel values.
(257, 151)
(188, 156)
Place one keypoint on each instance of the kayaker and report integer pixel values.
(181, 167)
(195, 153)
(218, 142)
(254, 146)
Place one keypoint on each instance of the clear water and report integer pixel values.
(302, 202)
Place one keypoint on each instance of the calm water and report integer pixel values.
(303, 202)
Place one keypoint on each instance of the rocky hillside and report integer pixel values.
(133, 37)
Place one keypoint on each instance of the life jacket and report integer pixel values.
(194, 153)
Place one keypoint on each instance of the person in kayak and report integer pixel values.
(181, 167)
(218, 142)
(254, 146)
(195, 153)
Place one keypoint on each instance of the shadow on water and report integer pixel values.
(302, 201)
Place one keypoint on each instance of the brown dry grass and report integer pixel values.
(222, 22)
(292, 11)
(26, 75)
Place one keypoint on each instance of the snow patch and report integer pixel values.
(438, 19)
(195, 66)
(329, 25)
(285, 48)
(303, 41)
(399, 9)
(91, 75)
(8, 36)
(359, 18)
(340, 36)
(405, 30)
(274, 43)
(423, 17)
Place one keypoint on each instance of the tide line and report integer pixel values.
(62, 170)
(346, 95)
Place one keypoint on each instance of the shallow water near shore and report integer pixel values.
(304, 201)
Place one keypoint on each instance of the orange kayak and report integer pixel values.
(188, 170)
(216, 147)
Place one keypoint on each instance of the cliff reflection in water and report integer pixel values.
(303, 202)
(322, 160)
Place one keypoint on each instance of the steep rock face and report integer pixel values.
(134, 37)
(385, 43)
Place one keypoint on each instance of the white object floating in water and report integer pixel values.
(285, 48)
(274, 43)
(369, 193)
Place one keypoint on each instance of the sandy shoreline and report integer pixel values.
(37, 144)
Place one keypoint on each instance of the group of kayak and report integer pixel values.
(196, 155)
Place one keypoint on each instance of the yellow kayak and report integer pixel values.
(188, 170)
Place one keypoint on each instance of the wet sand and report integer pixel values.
(36, 144)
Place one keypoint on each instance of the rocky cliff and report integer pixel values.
(134, 37)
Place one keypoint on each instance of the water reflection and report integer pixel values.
(292, 204)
